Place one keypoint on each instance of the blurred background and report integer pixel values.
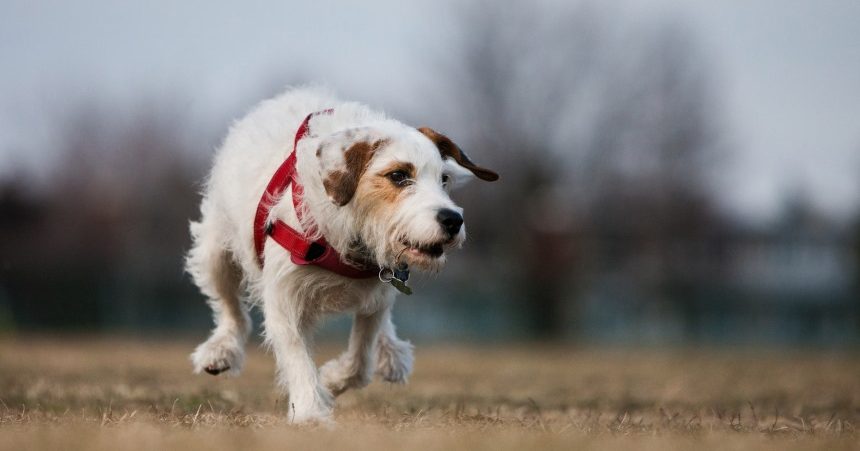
(672, 172)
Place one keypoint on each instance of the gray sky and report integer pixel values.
(791, 72)
(788, 72)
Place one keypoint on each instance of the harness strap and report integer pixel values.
(302, 250)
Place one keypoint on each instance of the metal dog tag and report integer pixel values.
(401, 286)
(396, 278)
(402, 272)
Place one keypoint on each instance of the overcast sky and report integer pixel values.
(788, 72)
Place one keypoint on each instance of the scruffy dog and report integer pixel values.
(312, 205)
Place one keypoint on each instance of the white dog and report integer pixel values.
(362, 197)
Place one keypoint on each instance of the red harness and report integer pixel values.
(302, 250)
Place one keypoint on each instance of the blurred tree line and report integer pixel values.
(607, 139)
(102, 244)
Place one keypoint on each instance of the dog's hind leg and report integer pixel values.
(220, 279)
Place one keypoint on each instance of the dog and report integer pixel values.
(316, 206)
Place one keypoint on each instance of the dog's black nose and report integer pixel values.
(450, 221)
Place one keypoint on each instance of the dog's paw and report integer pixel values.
(340, 374)
(314, 409)
(312, 418)
(395, 360)
(219, 354)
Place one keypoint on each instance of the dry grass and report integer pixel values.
(124, 394)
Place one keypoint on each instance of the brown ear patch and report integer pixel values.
(340, 185)
(450, 150)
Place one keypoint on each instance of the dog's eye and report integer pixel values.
(445, 179)
(399, 178)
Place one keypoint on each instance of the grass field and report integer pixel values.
(78, 393)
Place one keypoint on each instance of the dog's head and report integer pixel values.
(386, 192)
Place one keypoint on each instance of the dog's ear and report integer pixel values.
(340, 180)
(450, 150)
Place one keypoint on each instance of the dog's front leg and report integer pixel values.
(354, 368)
(288, 329)
(395, 355)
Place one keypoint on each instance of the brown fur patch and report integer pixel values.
(341, 185)
(383, 188)
(448, 149)
(379, 191)
(377, 196)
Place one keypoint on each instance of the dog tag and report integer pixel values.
(401, 286)
(402, 272)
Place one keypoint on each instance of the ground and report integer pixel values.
(123, 393)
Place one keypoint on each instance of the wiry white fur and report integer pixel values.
(223, 264)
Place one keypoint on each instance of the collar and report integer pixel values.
(302, 250)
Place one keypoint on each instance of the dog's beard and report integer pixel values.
(428, 253)
(419, 242)
(428, 256)
(394, 249)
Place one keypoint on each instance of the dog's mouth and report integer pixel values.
(424, 250)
